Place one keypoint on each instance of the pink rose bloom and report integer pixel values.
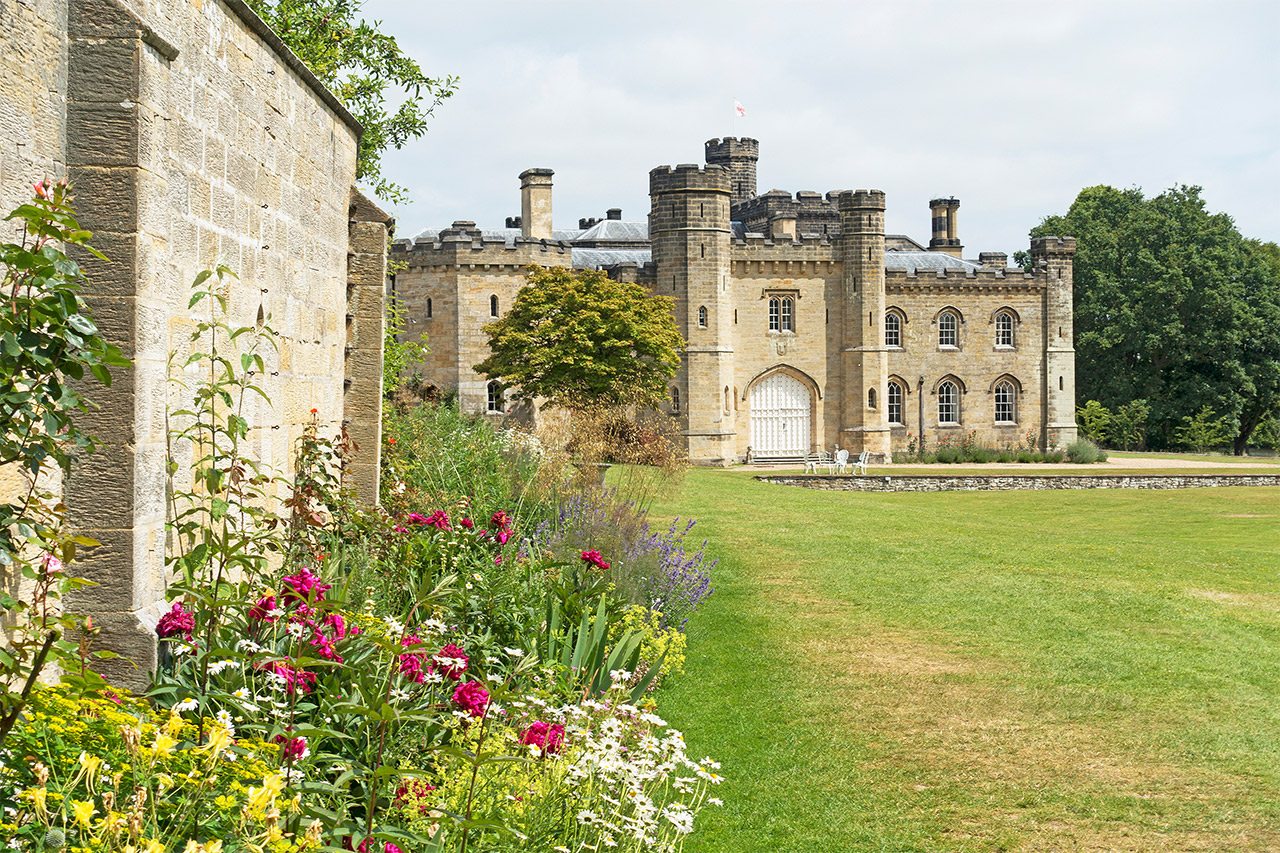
(592, 558)
(453, 661)
(261, 612)
(304, 587)
(177, 622)
(548, 738)
(472, 698)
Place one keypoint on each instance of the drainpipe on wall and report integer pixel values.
(920, 399)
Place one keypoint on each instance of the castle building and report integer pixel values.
(806, 326)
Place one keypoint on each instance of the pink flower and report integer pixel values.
(594, 560)
(387, 848)
(304, 587)
(467, 523)
(261, 612)
(411, 662)
(324, 647)
(453, 661)
(416, 518)
(438, 519)
(472, 698)
(503, 536)
(416, 788)
(41, 188)
(548, 738)
(500, 520)
(51, 564)
(341, 630)
(295, 680)
(178, 621)
(295, 748)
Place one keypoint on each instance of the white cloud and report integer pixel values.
(1012, 106)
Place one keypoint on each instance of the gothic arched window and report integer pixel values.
(1006, 402)
(895, 402)
(948, 403)
(1004, 329)
(496, 402)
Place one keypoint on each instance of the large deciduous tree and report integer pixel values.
(361, 64)
(582, 340)
(1173, 306)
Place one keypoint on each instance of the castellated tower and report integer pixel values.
(739, 156)
(1055, 257)
(864, 359)
(690, 233)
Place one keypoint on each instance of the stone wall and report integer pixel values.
(1017, 482)
(193, 138)
(977, 363)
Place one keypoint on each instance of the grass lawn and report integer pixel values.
(1091, 670)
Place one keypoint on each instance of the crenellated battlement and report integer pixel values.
(463, 244)
(1047, 246)
(689, 177)
(914, 280)
(861, 200)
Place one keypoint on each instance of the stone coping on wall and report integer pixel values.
(1015, 482)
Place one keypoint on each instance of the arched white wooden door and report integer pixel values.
(781, 408)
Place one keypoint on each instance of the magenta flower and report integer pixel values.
(500, 520)
(416, 518)
(453, 661)
(467, 523)
(261, 611)
(438, 519)
(594, 560)
(324, 647)
(503, 536)
(294, 749)
(411, 662)
(472, 698)
(295, 680)
(304, 587)
(548, 738)
(177, 622)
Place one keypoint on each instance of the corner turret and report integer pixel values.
(739, 156)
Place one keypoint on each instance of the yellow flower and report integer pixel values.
(164, 744)
(174, 725)
(92, 764)
(259, 799)
(153, 846)
(39, 799)
(225, 802)
(83, 811)
(219, 740)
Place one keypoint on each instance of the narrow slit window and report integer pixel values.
(493, 305)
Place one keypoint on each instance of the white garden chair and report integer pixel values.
(863, 458)
(841, 463)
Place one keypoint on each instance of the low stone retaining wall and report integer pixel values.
(1016, 482)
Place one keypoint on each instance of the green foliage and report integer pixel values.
(363, 66)
(1205, 430)
(114, 774)
(48, 346)
(1094, 421)
(48, 343)
(660, 647)
(1082, 451)
(1172, 306)
(1128, 428)
(581, 340)
(399, 357)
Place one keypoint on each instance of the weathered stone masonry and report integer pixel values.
(193, 138)
(784, 302)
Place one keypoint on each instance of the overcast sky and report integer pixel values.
(1011, 106)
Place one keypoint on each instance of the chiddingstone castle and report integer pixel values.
(806, 326)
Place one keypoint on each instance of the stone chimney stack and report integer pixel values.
(993, 260)
(782, 227)
(946, 232)
(614, 213)
(535, 203)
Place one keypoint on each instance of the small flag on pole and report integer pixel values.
(739, 110)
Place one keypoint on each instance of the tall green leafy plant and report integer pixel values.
(48, 342)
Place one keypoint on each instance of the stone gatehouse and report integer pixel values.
(806, 326)
(193, 137)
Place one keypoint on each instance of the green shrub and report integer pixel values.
(949, 455)
(1082, 451)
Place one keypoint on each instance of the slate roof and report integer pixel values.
(926, 261)
(507, 234)
(598, 258)
(615, 230)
